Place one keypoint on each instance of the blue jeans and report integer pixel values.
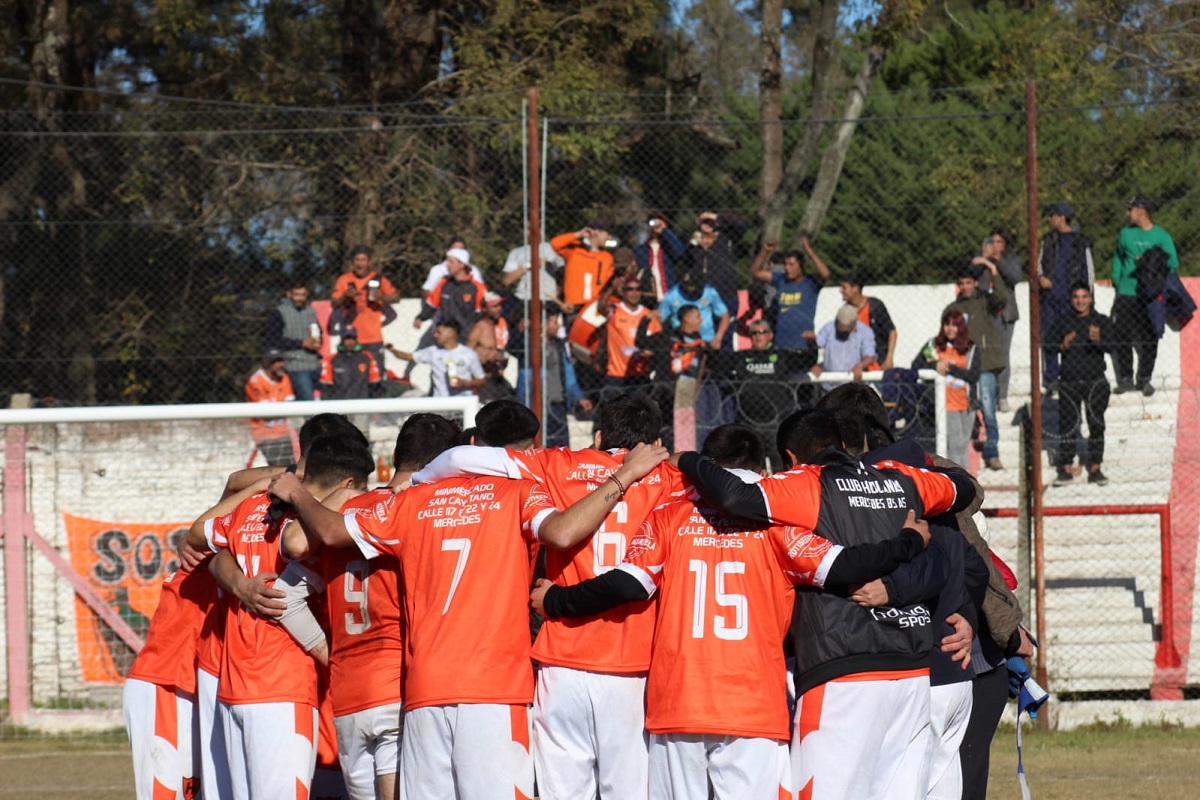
(303, 384)
(987, 403)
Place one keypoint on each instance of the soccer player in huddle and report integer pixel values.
(862, 675)
(463, 549)
(267, 688)
(589, 707)
(366, 625)
(725, 589)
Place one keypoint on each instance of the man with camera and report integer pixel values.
(656, 257)
(363, 298)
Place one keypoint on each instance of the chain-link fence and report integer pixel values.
(143, 247)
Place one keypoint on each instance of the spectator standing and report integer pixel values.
(657, 256)
(459, 296)
(292, 328)
(1130, 313)
(1083, 337)
(517, 268)
(625, 350)
(847, 345)
(1064, 260)
(712, 254)
(438, 272)
(364, 297)
(558, 386)
(589, 264)
(351, 372)
(454, 368)
(980, 309)
(489, 338)
(795, 296)
(997, 247)
(954, 355)
(271, 384)
(517, 274)
(874, 314)
(714, 314)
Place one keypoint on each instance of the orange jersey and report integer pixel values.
(616, 641)
(794, 497)
(211, 646)
(725, 602)
(169, 656)
(624, 356)
(586, 270)
(368, 317)
(261, 662)
(957, 390)
(463, 548)
(366, 631)
(262, 388)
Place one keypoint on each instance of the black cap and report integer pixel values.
(272, 355)
(1141, 201)
(1062, 210)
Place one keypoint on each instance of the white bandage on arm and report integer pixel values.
(298, 583)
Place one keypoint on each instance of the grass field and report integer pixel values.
(1086, 764)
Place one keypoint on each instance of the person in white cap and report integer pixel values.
(847, 345)
(439, 271)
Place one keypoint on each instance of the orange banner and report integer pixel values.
(126, 563)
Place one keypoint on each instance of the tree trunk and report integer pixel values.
(824, 69)
(770, 85)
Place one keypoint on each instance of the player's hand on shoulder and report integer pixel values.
(190, 557)
(641, 459)
(537, 595)
(919, 525)
(283, 485)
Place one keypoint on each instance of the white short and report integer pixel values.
(272, 748)
(682, 765)
(589, 734)
(862, 740)
(368, 745)
(163, 729)
(215, 782)
(471, 751)
(949, 710)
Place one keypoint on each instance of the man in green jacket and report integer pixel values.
(1130, 318)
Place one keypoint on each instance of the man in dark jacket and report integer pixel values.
(1083, 337)
(980, 308)
(1064, 260)
(351, 372)
(712, 254)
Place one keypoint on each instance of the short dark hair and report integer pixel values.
(328, 424)
(628, 420)
(687, 308)
(501, 423)
(805, 433)
(422, 438)
(1003, 234)
(1081, 285)
(734, 446)
(446, 322)
(796, 254)
(862, 397)
(361, 250)
(855, 278)
(967, 271)
(334, 458)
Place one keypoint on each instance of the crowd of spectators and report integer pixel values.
(666, 315)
